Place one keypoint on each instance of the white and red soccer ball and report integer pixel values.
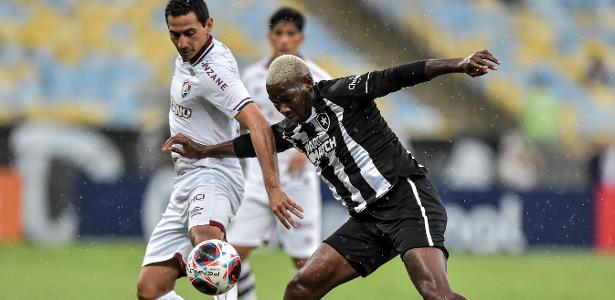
(213, 267)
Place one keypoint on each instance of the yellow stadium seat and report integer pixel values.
(505, 95)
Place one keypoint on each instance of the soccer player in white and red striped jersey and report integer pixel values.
(255, 225)
(207, 99)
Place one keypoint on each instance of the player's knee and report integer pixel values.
(299, 262)
(298, 287)
(148, 291)
(202, 233)
(430, 290)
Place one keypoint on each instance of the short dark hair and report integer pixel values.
(289, 15)
(177, 8)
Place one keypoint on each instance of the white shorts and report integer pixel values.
(200, 197)
(255, 224)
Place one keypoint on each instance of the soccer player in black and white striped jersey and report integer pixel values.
(394, 209)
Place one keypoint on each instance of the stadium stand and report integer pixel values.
(110, 63)
(556, 41)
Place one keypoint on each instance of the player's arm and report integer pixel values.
(264, 146)
(260, 143)
(240, 147)
(380, 83)
(476, 64)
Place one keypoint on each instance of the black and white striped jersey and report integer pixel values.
(346, 138)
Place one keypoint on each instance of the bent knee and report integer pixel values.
(149, 291)
(429, 290)
(202, 233)
(299, 287)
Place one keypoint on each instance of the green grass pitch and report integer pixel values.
(108, 270)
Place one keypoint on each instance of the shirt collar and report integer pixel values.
(203, 51)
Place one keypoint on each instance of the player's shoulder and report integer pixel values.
(218, 67)
(331, 85)
(342, 91)
(220, 54)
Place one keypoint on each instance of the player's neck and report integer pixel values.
(198, 55)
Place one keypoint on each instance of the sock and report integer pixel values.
(230, 295)
(170, 296)
(246, 287)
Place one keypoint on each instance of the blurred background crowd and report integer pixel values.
(524, 156)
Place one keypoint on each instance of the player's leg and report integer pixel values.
(325, 270)
(417, 232)
(163, 261)
(251, 228)
(351, 251)
(158, 279)
(201, 233)
(299, 262)
(213, 201)
(246, 286)
(301, 242)
(214, 230)
(427, 269)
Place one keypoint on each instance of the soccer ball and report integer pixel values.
(213, 267)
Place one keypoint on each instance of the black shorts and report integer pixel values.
(399, 221)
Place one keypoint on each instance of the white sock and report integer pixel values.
(246, 287)
(230, 295)
(170, 296)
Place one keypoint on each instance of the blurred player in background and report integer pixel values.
(207, 100)
(254, 224)
(394, 209)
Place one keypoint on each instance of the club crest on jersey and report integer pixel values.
(323, 120)
(186, 88)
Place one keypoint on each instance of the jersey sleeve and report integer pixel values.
(243, 144)
(374, 84)
(224, 89)
(255, 83)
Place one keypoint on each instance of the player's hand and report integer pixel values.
(281, 205)
(479, 63)
(296, 165)
(183, 146)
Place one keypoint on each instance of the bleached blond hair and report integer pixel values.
(286, 67)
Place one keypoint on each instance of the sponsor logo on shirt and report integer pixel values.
(180, 111)
(195, 212)
(353, 83)
(214, 77)
(197, 197)
(316, 148)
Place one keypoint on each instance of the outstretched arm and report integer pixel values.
(186, 147)
(476, 64)
(240, 147)
(381, 83)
